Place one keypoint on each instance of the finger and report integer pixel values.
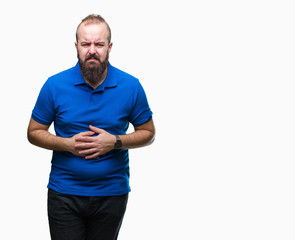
(88, 133)
(85, 134)
(95, 129)
(87, 152)
(83, 145)
(85, 139)
(93, 156)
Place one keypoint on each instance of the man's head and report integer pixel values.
(93, 18)
(93, 44)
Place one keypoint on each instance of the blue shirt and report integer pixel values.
(72, 104)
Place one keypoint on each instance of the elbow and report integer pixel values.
(29, 137)
(151, 138)
(32, 136)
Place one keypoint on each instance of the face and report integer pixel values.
(93, 50)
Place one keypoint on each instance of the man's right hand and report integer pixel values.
(71, 142)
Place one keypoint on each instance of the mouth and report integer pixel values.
(92, 59)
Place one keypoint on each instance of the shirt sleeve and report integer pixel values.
(43, 111)
(141, 112)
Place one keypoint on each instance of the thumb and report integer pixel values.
(95, 129)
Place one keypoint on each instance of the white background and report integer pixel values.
(219, 76)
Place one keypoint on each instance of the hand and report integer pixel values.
(92, 147)
(71, 142)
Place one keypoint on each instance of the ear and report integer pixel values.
(110, 46)
(76, 45)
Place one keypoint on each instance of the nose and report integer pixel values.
(92, 49)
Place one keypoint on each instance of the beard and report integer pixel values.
(93, 72)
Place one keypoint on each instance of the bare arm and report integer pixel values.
(39, 135)
(93, 147)
(143, 135)
(84, 144)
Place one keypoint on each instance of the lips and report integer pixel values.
(92, 58)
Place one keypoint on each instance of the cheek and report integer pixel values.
(103, 54)
(81, 53)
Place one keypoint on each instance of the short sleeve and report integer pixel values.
(141, 112)
(43, 111)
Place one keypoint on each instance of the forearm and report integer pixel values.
(139, 138)
(44, 139)
(84, 144)
(39, 135)
(143, 135)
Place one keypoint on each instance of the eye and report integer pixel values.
(99, 44)
(85, 44)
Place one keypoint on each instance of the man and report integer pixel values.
(91, 106)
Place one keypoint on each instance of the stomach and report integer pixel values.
(70, 169)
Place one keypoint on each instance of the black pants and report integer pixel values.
(85, 218)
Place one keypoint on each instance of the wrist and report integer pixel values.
(118, 142)
(67, 145)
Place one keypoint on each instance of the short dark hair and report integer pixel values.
(94, 18)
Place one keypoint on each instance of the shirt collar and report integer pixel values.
(109, 81)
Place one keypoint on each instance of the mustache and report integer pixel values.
(92, 56)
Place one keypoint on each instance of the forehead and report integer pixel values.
(93, 31)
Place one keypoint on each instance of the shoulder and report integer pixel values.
(123, 77)
(63, 75)
(60, 81)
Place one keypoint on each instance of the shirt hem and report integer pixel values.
(90, 193)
